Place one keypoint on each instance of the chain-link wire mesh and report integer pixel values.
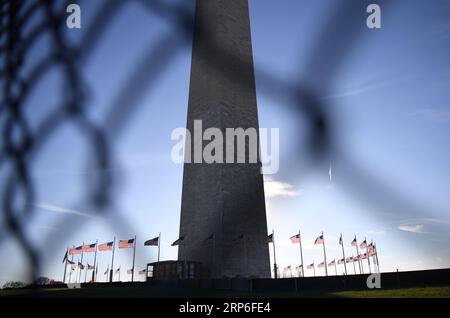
(20, 144)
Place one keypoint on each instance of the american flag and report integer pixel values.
(152, 242)
(180, 240)
(363, 244)
(295, 238)
(270, 238)
(319, 240)
(356, 258)
(76, 250)
(90, 266)
(288, 268)
(89, 248)
(70, 262)
(333, 262)
(80, 265)
(349, 259)
(363, 256)
(106, 246)
(130, 271)
(372, 250)
(310, 266)
(341, 261)
(142, 272)
(126, 243)
(118, 270)
(354, 242)
(321, 265)
(73, 266)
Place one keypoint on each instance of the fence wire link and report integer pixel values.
(20, 144)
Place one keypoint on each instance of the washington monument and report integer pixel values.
(223, 213)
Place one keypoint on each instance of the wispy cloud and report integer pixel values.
(434, 114)
(273, 189)
(417, 228)
(357, 90)
(62, 210)
(376, 232)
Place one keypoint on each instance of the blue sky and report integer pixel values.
(388, 106)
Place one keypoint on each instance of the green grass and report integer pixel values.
(422, 292)
(152, 292)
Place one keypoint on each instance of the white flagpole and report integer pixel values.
(134, 258)
(343, 254)
(301, 252)
(159, 244)
(324, 255)
(361, 271)
(367, 252)
(274, 255)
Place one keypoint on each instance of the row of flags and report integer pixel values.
(370, 252)
(104, 247)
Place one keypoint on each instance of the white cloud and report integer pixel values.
(417, 228)
(357, 90)
(434, 115)
(376, 232)
(273, 189)
(57, 209)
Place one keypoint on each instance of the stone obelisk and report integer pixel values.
(223, 213)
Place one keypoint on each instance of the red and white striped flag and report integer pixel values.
(354, 243)
(126, 243)
(341, 261)
(106, 246)
(332, 263)
(130, 271)
(295, 238)
(142, 272)
(321, 265)
(310, 266)
(89, 248)
(75, 250)
(363, 244)
(319, 240)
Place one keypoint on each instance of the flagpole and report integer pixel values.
(343, 254)
(357, 255)
(274, 256)
(70, 273)
(134, 257)
(376, 257)
(354, 267)
(335, 266)
(301, 253)
(314, 269)
(65, 265)
(82, 253)
(368, 257)
(111, 275)
(85, 272)
(324, 254)
(159, 244)
(95, 261)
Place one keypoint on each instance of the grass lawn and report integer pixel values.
(423, 292)
(151, 292)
